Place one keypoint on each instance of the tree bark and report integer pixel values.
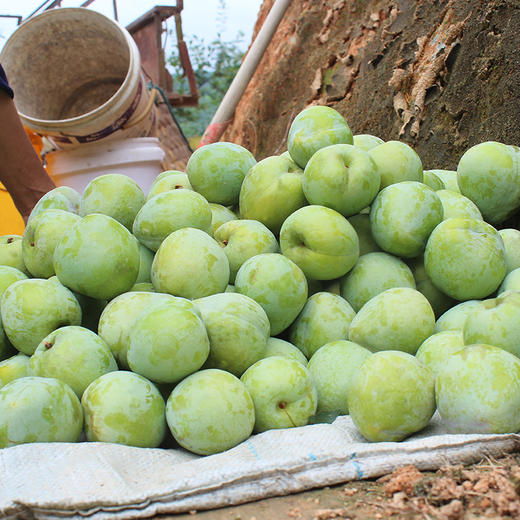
(439, 75)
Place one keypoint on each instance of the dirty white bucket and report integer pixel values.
(139, 158)
(77, 78)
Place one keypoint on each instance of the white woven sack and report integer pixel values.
(109, 481)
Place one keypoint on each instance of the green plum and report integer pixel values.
(167, 181)
(277, 284)
(142, 287)
(115, 195)
(366, 141)
(455, 318)
(373, 274)
(219, 215)
(11, 252)
(217, 170)
(436, 349)
(167, 342)
(210, 411)
(74, 355)
(396, 319)
(271, 191)
(396, 162)
(191, 264)
(168, 212)
(511, 239)
(98, 257)
(511, 282)
(41, 237)
(325, 317)
(332, 367)
(403, 216)
(238, 329)
(391, 396)
(465, 258)
(283, 393)
(341, 177)
(314, 128)
(9, 275)
(124, 408)
(15, 367)
(280, 347)
(433, 181)
(320, 241)
(31, 309)
(145, 264)
(455, 205)
(62, 197)
(361, 224)
(38, 409)
(489, 175)
(447, 177)
(243, 239)
(478, 391)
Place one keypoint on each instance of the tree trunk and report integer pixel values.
(439, 75)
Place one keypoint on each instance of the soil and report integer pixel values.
(490, 489)
(441, 75)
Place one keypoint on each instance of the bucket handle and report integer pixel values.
(145, 112)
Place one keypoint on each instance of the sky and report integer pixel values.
(198, 17)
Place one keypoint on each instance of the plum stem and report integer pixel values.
(9, 240)
(48, 344)
(282, 405)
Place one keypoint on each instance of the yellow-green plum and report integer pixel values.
(496, 322)
(455, 318)
(98, 257)
(168, 212)
(167, 342)
(62, 197)
(119, 316)
(436, 349)
(217, 170)
(478, 391)
(11, 252)
(391, 396)
(238, 329)
(332, 367)
(439, 301)
(271, 191)
(447, 177)
(115, 195)
(219, 215)
(145, 264)
(396, 162)
(489, 174)
(277, 284)
(280, 347)
(396, 319)
(320, 241)
(74, 355)
(283, 393)
(433, 181)
(314, 128)
(41, 237)
(341, 177)
(511, 239)
(366, 141)
(15, 367)
(38, 409)
(403, 216)
(210, 411)
(124, 408)
(374, 273)
(142, 287)
(465, 258)
(361, 224)
(168, 181)
(6, 349)
(243, 239)
(31, 309)
(511, 282)
(191, 264)
(326, 317)
(9, 275)
(455, 205)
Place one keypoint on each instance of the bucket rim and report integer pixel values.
(70, 122)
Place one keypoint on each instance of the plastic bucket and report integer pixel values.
(139, 158)
(77, 78)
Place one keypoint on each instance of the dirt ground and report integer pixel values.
(489, 489)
